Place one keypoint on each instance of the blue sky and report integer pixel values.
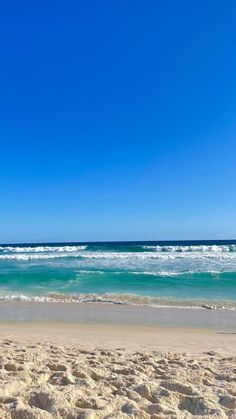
(117, 120)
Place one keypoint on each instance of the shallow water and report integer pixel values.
(150, 273)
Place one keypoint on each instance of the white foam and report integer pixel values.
(32, 257)
(192, 248)
(131, 256)
(123, 299)
(41, 249)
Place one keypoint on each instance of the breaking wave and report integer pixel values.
(41, 249)
(192, 248)
(80, 254)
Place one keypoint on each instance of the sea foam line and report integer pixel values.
(41, 249)
(191, 248)
(119, 255)
(122, 299)
(227, 248)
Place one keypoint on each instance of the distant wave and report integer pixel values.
(123, 299)
(192, 248)
(130, 250)
(97, 252)
(152, 273)
(33, 256)
(175, 273)
(80, 254)
(41, 249)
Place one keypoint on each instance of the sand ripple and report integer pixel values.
(44, 380)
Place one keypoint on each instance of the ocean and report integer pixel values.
(181, 273)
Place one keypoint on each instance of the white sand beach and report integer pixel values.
(102, 370)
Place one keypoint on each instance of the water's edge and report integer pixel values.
(28, 312)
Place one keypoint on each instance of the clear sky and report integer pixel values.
(117, 120)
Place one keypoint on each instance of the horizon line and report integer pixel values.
(114, 241)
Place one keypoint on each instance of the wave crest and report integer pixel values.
(192, 248)
(41, 249)
(141, 256)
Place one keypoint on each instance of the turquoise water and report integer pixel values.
(154, 273)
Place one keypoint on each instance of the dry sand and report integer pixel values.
(103, 371)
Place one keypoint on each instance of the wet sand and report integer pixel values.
(100, 313)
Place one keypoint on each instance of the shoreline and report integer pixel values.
(112, 314)
(124, 300)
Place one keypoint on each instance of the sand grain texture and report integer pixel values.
(44, 380)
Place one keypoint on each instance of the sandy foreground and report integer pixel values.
(58, 370)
